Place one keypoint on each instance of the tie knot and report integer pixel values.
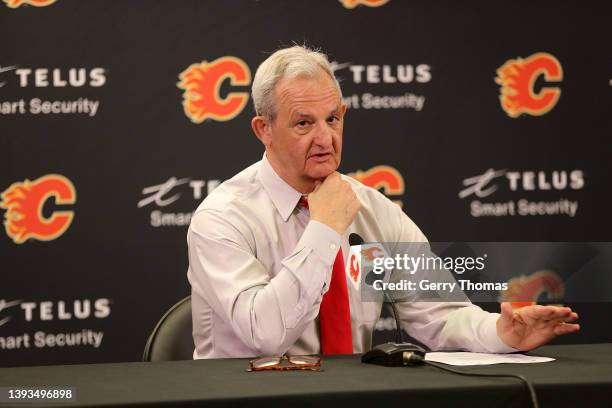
(303, 202)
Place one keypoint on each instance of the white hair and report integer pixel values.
(287, 63)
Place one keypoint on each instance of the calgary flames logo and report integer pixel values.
(530, 288)
(202, 83)
(24, 203)
(382, 177)
(36, 3)
(349, 4)
(517, 79)
(362, 253)
(354, 271)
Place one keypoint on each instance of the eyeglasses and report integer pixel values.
(285, 363)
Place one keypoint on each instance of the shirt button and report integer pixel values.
(332, 246)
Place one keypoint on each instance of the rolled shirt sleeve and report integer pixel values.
(453, 326)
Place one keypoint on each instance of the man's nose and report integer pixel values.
(323, 135)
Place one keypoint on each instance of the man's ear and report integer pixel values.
(262, 129)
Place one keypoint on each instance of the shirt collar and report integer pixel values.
(284, 197)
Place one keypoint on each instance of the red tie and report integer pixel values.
(334, 312)
(303, 202)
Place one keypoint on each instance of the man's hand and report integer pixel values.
(532, 326)
(334, 203)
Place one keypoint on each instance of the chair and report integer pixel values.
(172, 337)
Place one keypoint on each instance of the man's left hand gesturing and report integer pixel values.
(532, 326)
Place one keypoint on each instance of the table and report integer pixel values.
(581, 376)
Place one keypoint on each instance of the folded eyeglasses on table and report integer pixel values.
(285, 363)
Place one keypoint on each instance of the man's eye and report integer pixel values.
(302, 123)
(332, 119)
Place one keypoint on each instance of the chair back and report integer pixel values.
(172, 337)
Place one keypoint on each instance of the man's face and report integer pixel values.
(305, 142)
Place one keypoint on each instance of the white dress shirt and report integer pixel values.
(258, 269)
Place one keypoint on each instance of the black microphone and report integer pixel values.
(355, 239)
(370, 277)
(389, 354)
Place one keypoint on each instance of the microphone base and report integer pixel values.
(394, 355)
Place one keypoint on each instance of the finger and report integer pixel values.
(562, 320)
(356, 201)
(572, 317)
(317, 185)
(546, 313)
(345, 185)
(566, 328)
(556, 312)
(506, 310)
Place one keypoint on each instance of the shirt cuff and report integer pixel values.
(493, 341)
(323, 240)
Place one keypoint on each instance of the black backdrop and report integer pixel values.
(445, 125)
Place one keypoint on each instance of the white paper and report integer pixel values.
(465, 358)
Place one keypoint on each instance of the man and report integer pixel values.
(267, 247)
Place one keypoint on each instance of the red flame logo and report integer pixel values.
(202, 83)
(354, 270)
(530, 288)
(350, 4)
(36, 3)
(24, 202)
(382, 177)
(517, 78)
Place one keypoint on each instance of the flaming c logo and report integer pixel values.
(530, 288)
(36, 3)
(24, 203)
(349, 4)
(517, 78)
(202, 83)
(382, 177)
(354, 272)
